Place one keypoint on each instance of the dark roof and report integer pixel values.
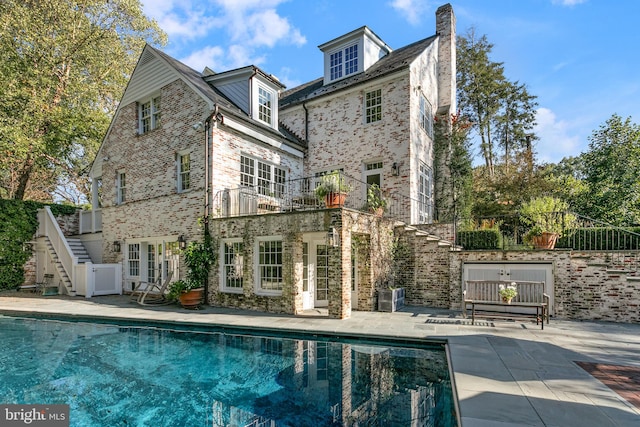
(197, 79)
(394, 61)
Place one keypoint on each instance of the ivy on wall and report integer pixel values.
(18, 224)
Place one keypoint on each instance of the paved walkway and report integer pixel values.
(506, 373)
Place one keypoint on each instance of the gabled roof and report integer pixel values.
(394, 61)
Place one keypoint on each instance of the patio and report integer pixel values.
(506, 373)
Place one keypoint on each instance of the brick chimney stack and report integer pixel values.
(446, 31)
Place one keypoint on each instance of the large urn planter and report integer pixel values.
(390, 300)
(192, 298)
(545, 240)
(335, 200)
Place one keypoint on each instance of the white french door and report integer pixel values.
(315, 288)
(150, 260)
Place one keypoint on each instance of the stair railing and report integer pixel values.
(48, 226)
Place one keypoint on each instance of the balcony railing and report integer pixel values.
(578, 233)
(300, 195)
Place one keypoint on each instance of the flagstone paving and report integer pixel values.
(506, 373)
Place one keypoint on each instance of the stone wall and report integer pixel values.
(587, 285)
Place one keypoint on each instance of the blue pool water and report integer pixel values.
(114, 375)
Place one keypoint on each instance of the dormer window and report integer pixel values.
(344, 62)
(265, 101)
(352, 53)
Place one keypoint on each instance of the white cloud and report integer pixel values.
(568, 2)
(268, 28)
(556, 140)
(247, 27)
(411, 10)
(210, 56)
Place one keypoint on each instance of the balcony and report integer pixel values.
(301, 195)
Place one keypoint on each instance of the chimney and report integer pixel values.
(446, 32)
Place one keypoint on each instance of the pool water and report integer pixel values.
(114, 375)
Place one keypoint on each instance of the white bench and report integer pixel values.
(484, 294)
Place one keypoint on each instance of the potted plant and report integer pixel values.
(187, 292)
(376, 204)
(332, 189)
(508, 292)
(548, 218)
(199, 257)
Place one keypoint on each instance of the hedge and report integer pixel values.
(18, 224)
(480, 239)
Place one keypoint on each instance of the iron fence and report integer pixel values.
(300, 194)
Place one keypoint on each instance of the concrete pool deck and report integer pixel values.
(506, 373)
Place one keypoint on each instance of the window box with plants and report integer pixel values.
(332, 189)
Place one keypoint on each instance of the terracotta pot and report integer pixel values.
(335, 200)
(545, 240)
(192, 299)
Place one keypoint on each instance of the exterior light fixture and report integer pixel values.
(333, 238)
(116, 246)
(395, 169)
(182, 242)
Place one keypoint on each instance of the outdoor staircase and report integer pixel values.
(78, 250)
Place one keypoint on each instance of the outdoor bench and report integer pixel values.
(484, 294)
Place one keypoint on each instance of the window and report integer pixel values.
(247, 171)
(134, 259)
(269, 274)
(373, 106)
(149, 115)
(270, 179)
(425, 195)
(336, 65)
(121, 188)
(232, 265)
(184, 172)
(373, 173)
(426, 120)
(264, 105)
(343, 62)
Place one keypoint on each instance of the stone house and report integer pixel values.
(236, 151)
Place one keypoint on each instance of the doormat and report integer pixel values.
(624, 380)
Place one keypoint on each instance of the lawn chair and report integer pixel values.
(156, 293)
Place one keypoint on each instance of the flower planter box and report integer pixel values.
(390, 300)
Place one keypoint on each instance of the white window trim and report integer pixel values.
(426, 116)
(272, 190)
(179, 171)
(257, 277)
(121, 191)
(223, 275)
(343, 65)
(366, 108)
(271, 96)
(425, 210)
(155, 114)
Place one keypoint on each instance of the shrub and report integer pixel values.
(18, 224)
(480, 239)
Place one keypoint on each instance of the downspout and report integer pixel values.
(208, 137)
(306, 124)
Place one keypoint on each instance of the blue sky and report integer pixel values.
(579, 57)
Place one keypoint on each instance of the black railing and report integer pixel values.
(575, 232)
(301, 194)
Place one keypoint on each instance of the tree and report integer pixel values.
(63, 67)
(502, 112)
(453, 169)
(611, 168)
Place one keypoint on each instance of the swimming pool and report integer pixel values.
(120, 375)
